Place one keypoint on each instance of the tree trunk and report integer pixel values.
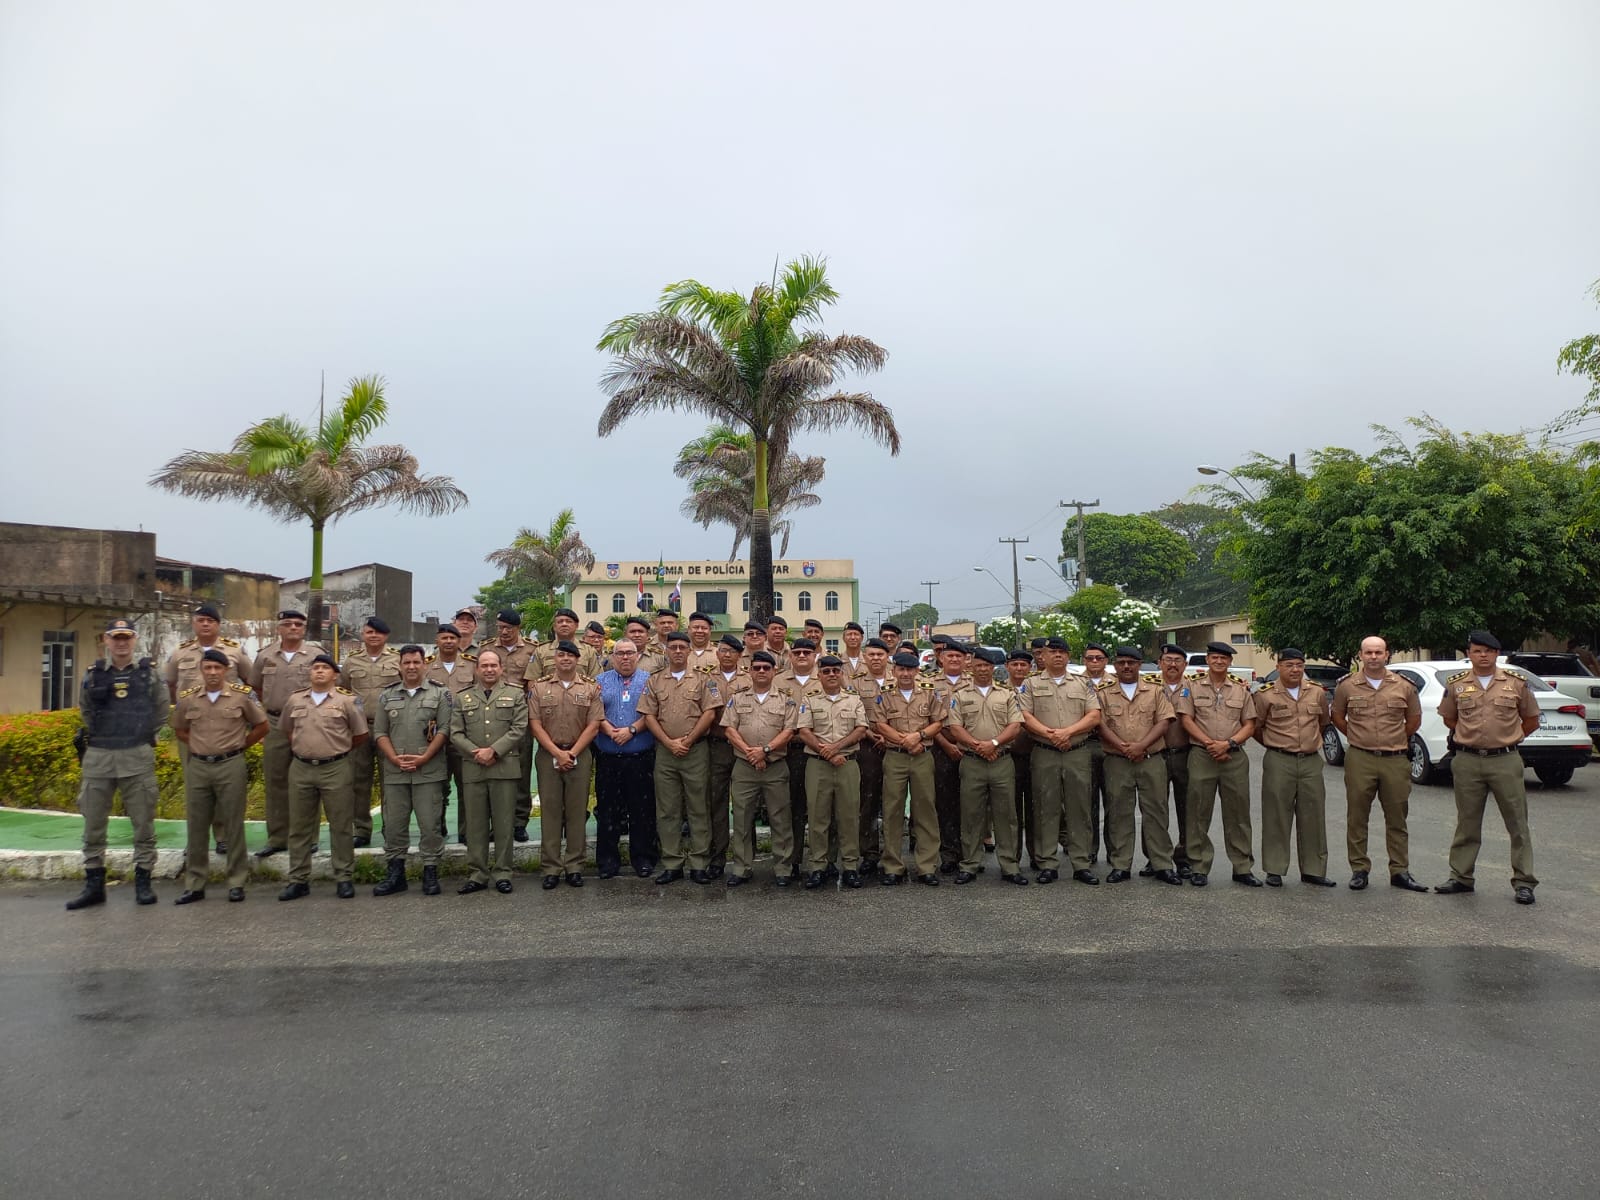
(761, 607)
(314, 591)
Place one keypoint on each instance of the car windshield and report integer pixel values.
(1535, 684)
(1552, 664)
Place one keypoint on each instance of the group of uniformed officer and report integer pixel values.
(1019, 755)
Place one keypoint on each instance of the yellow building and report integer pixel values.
(825, 589)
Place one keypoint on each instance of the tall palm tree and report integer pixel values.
(750, 363)
(295, 473)
(720, 468)
(552, 559)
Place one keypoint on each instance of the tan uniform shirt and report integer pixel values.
(1488, 718)
(1059, 705)
(652, 660)
(704, 661)
(788, 681)
(275, 676)
(1177, 736)
(565, 710)
(514, 660)
(727, 689)
(1377, 717)
(1132, 720)
(1219, 711)
(544, 661)
(182, 670)
(324, 730)
(218, 726)
(367, 677)
(907, 716)
(456, 681)
(760, 719)
(984, 717)
(678, 704)
(1290, 724)
(832, 717)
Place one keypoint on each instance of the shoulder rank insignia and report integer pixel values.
(1459, 675)
(344, 691)
(1268, 686)
(190, 691)
(1104, 684)
(242, 687)
(227, 641)
(1232, 678)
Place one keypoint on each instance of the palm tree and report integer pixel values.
(294, 473)
(552, 559)
(720, 468)
(742, 361)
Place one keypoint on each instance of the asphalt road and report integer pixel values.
(682, 1041)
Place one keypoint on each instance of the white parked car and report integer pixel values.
(1554, 751)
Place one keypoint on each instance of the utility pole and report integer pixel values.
(930, 584)
(1080, 505)
(1016, 586)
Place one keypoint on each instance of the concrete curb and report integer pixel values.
(68, 864)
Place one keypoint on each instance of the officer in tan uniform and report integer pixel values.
(1291, 714)
(564, 714)
(1019, 668)
(947, 757)
(410, 724)
(759, 722)
(455, 670)
(1489, 711)
(1097, 670)
(666, 621)
(366, 673)
(323, 724)
(702, 652)
(281, 669)
(1134, 714)
(488, 725)
(516, 666)
(869, 679)
(651, 659)
(678, 708)
(731, 679)
(564, 626)
(983, 721)
(1377, 711)
(594, 637)
(755, 638)
(1219, 717)
(182, 671)
(908, 715)
(217, 720)
(800, 681)
(1060, 709)
(832, 724)
(855, 664)
(1174, 664)
(778, 643)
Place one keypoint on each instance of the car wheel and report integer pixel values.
(1421, 764)
(1554, 776)
(1332, 747)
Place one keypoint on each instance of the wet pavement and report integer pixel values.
(690, 1041)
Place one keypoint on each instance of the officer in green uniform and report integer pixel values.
(218, 721)
(1060, 710)
(516, 670)
(759, 722)
(453, 669)
(984, 720)
(281, 669)
(1291, 714)
(832, 724)
(488, 725)
(678, 707)
(323, 724)
(122, 706)
(1219, 718)
(410, 725)
(564, 711)
(366, 673)
(1489, 711)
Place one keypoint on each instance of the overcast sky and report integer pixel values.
(1101, 243)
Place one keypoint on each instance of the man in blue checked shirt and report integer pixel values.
(625, 795)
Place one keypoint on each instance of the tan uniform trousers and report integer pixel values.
(681, 796)
(314, 791)
(1061, 781)
(1475, 778)
(751, 788)
(833, 810)
(1389, 779)
(1292, 795)
(364, 771)
(214, 795)
(1142, 785)
(988, 799)
(490, 800)
(904, 772)
(403, 799)
(275, 760)
(1096, 752)
(183, 762)
(719, 776)
(1206, 778)
(1177, 760)
(563, 813)
(131, 772)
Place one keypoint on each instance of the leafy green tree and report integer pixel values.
(917, 614)
(1131, 622)
(1581, 357)
(1417, 544)
(294, 473)
(551, 559)
(753, 363)
(1205, 588)
(528, 596)
(720, 468)
(1090, 607)
(1132, 551)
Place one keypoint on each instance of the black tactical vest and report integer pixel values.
(119, 704)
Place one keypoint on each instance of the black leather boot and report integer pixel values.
(395, 881)
(143, 893)
(430, 881)
(94, 889)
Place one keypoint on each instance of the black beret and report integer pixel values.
(952, 644)
(564, 612)
(208, 610)
(510, 616)
(905, 659)
(1219, 648)
(594, 627)
(1126, 651)
(641, 622)
(755, 627)
(891, 627)
(677, 635)
(849, 625)
(812, 623)
(761, 656)
(377, 623)
(566, 647)
(324, 658)
(1094, 646)
(875, 644)
(1174, 648)
(1039, 643)
(802, 644)
(700, 616)
(775, 619)
(291, 614)
(1022, 654)
(732, 642)
(830, 660)
(941, 639)
(214, 655)
(1291, 652)
(993, 657)
(1057, 643)
(450, 629)
(1482, 637)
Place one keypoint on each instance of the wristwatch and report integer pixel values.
(995, 742)
(1232, 745)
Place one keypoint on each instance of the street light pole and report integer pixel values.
(1016, 586)
(1080, 505)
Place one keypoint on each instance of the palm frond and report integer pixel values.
(847, 410)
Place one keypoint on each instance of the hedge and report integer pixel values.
(39, 769)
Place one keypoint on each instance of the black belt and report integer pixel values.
(274, 712)
(1460, 749)
(1178, 750)
(1004, 750)
(902, 749)
(1383, 753)
(317, 762)
(214, 758)
(1305, 753)
(847, 757)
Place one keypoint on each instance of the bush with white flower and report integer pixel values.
(1131, 622)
